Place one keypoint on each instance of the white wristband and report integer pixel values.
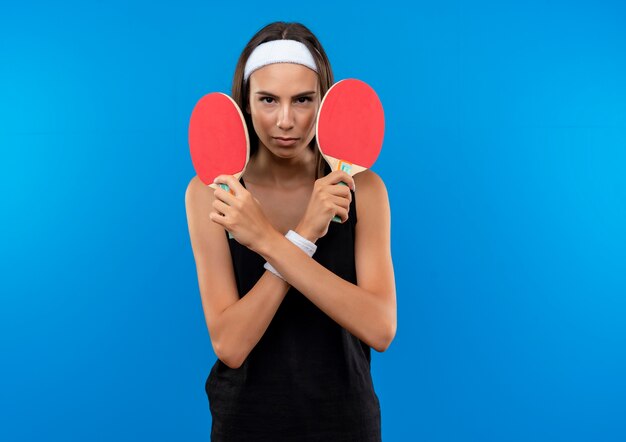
(268, 266)
(307, 246)
(304, 244)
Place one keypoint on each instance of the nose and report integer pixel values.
(285, 117)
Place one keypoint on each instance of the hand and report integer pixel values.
(329, 198)
(240, 214)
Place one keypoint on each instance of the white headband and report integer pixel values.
(279, 51)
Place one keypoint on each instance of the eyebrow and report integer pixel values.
(275, 96)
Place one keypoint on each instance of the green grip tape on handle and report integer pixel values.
(227, 189)
(346, 167)
(336, 219)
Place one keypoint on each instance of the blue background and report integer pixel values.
(505, 163)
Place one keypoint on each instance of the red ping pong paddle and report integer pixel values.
(350, 127)
(218, 139)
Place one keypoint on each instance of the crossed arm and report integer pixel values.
(366, 309)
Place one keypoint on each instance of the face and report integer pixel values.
(284, 99)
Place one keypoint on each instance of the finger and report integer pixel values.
(234, 185)
(221, 207)
(339, 176)
(217, 218)
(342, 213)
(225, 196)
(339, 190)
(341, 202)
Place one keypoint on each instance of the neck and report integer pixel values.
(267, 169)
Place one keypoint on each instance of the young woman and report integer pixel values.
(294, 302)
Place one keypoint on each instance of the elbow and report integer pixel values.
(230, 364)
(386, 339)
(231, 353)
(231, 360)
(383, 346)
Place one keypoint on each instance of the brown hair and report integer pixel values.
(282, 31)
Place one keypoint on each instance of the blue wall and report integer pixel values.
(508, 229)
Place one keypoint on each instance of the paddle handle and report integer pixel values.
(227, 189)
(346, 167)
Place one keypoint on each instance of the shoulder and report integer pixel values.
(372, 201)
(370, 186)
(196, 186)
(197, 193)
(199, 204)
(369, 178)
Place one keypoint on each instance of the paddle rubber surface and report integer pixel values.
(351, 123)
(218, 137)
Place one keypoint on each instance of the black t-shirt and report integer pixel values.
(308, 378)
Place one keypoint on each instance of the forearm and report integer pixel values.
(360, 312)
(242, 324)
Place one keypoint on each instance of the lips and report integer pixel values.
(281, 141)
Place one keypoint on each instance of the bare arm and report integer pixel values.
(367, 310)
(235, 325)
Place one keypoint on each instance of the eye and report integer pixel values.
(262, 99)
(303, 99)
